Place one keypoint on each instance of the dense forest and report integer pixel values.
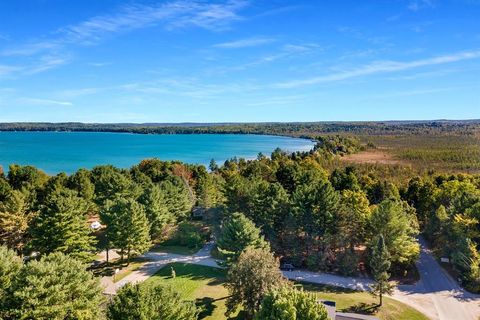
(308, 210)
(296, 129)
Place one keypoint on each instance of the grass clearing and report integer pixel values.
(205, 286)
(199, 283)
(363, 302)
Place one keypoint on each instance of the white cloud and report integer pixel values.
(380, 67)
(43, 102)
(175, 14)
(46, 63)
(244, 43)
(6, 70)
(417, 5)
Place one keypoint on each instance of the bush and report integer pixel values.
(189, 235)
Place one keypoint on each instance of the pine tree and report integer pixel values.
(177, 197)
(380, 264)
(150, 301)
(56, 287)
(61, 226)
(238, 233)
(127, 226)
(288, 303)
(155, 204)
(10, 265)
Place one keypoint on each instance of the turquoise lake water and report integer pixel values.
(55, 152)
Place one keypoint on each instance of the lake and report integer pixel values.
(55, 152)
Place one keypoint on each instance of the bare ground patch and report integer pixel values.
(381, 156)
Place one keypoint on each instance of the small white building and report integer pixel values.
(95, 225)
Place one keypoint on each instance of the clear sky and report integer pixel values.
(239, 60)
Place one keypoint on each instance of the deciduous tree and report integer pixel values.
(254, 274)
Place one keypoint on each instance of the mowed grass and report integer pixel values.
(205, 286)
(364, 302)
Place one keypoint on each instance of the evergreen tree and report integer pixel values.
(380, 264)
(61, 226)
(288, 303)
(238, 233)
(177, 197)
(56, 287)
(316, 206)
(10, 265)
(127, 226)
(81, 182)
(147, 302)
(155, 204)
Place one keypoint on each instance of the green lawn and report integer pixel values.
(199, 283)
(205, 286)
(364, 302)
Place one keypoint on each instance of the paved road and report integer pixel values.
(158, 260)
(436, 295)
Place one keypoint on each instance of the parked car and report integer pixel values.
(287, 267)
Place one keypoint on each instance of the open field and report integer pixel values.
(205, 286)
(381, 156)
(425, 152)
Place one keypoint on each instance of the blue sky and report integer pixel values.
(239, 60)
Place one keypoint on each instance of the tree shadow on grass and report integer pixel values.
(206, 306)
(363, 308)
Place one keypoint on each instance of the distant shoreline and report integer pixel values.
(305, 130)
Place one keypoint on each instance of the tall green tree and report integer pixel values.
(249, 279)
(10, 265)
(316, 206)
(238, 233)
(177, 197)
(61, 226)
(396, 221)
(380, 264)
(288, 303)
(15, 218)
(148, 302)
(156, 209)
(353, 215)
(57, 287)
(127, 226)
(111, 182)
(81, 182)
